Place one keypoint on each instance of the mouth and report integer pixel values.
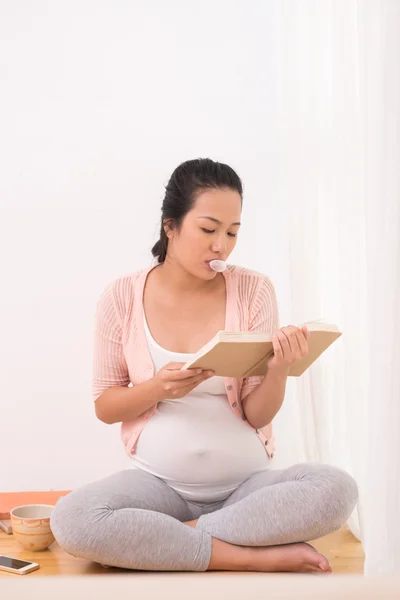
(219, 265)
(207, 264)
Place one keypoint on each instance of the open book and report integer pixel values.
(245, 354)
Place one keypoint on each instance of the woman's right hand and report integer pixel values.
(175, 383)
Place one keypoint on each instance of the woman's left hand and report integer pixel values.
(290, 345)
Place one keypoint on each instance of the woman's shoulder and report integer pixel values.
(124, 285)
(250, 282)
(120, 291)
(257, 298)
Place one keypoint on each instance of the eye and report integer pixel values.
(213, 231)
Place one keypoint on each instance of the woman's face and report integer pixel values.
(208, 231)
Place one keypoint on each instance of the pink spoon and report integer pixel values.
(218, 265)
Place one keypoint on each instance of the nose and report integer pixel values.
(219, 245)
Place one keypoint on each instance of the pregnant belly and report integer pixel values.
(198, 441)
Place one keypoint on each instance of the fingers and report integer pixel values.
(190, 381)
(297, 340)
(278, 350)
(177, 374)
(302, 336)
(188, 388)
(179, 389)
(290, 343)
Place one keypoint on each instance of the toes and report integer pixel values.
(318, 571)
(323, 563)
(326, 571)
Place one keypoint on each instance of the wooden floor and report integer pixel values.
(343, 551)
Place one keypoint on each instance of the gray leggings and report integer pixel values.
(135, 520)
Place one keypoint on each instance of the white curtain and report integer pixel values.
(382, 159)
(338, 65)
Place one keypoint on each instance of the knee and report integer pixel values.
(69, 521)
(339, 494)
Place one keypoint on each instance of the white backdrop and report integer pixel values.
(100, 102)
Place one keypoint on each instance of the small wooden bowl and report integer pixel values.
(31, 526)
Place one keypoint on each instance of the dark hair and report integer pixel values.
(189, 178)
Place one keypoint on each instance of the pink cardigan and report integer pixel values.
(121, 354)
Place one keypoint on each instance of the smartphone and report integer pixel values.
(15, 565)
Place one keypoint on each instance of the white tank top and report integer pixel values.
(197, 444)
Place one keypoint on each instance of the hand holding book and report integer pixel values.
(290, 345)
(241, 354)
(172, 381)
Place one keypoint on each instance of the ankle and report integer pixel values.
(228, 557)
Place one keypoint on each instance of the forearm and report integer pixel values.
(264, 402)
(121, 403)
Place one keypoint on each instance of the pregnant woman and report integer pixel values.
(201, 493)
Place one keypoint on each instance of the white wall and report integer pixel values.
(100, 101)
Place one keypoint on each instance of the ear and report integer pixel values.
(169, 232)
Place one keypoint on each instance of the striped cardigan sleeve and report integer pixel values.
(264, 316)
(109, 365)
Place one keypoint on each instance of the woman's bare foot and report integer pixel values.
(295, 558)
(298, 558)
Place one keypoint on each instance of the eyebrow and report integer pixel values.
(219, 222)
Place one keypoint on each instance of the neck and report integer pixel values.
(179, 281)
